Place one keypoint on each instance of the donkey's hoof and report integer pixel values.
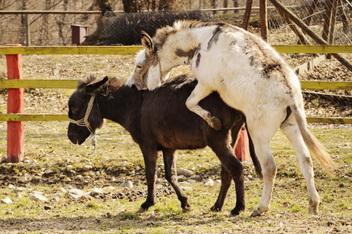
(186, 207)
(259, 212)
(215, 123)
(145, 206)
(236, 211)
(141, 210)
(313, 207)
(215, 208)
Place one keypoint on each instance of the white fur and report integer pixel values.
(225, 68)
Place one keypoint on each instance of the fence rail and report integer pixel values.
(129, 50)
(71, 84)
(63, 117)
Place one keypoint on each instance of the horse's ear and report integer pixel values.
(147, 42)
(92, 88)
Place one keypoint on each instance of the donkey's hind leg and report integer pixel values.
(234, 168)
(225, 184)
(292, 132)
(192, 103)
(171, 177)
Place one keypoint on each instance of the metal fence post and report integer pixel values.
(15, 133)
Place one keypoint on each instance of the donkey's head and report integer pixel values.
(83, 109)
(154, 62)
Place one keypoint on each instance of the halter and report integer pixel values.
(83, 122)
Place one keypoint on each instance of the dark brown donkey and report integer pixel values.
(159, 120)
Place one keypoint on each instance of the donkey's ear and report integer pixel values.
(147, 42)
(94, 87)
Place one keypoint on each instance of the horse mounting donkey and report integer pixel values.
(159, 120)
(249, 75)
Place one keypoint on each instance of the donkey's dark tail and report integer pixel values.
(314, 145)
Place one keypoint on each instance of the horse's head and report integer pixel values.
(83, 109)
(154, 62)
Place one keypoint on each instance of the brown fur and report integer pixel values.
(159, 120)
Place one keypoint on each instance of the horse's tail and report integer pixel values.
(314, 145)
(257, 167)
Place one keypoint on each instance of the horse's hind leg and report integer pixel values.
(225, 184)
(192, 103)
(171, 176)
(293, 134)
(262, 130)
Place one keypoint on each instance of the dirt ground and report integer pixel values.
(112, 183)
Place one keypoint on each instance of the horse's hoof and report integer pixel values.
(215, 208)
(215, 123)
(313, 207)
(258, 212)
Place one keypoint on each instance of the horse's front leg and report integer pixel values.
(192, 103)
(150, 157)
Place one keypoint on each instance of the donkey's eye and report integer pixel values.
(74, 110)
(139, 66)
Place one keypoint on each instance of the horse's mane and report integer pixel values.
(162, 33)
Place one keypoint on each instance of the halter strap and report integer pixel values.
(84, 121)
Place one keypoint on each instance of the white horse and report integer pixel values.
(250, 76)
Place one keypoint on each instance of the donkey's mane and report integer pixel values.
(162, 34)
(86, 81)
(113, 83)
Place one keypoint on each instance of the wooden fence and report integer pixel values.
(18, 85)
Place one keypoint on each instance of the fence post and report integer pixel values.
(15, 134)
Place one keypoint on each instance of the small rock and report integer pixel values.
(128, 184)
(181, 178)
(48, 173)
(36, 179)
(57, 196)
(79, 177)
(186, 188)
(184, 183)
(7, 200)
(87, 167)
(77, 193)
(39, 196)
(209, 182)
(11, 186)
(96, 192)
(63, 190)
(19, 189)
(185, 172)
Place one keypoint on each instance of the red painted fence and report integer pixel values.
(15, 134)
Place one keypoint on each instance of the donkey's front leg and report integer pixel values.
(150, 157)
(200, 92)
